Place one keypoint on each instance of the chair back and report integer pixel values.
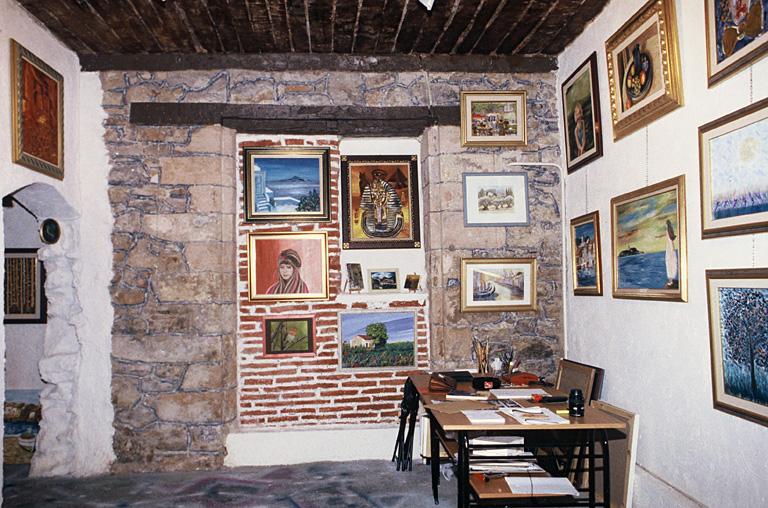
(585, 377)
(622, 457)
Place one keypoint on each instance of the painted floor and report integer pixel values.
(360, 484)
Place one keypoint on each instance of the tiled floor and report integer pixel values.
(359, 484)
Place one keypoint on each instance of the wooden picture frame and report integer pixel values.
(581, 115)
(290, 335)
(737, 36)
(37, 99)
(498, 284)
(496, 199)
(24, 287)
(648, 239)
(288, 266)
(384, 280)
(286, 184)
(641, 95)
(586, 258)
(380, 202)
(493, 118)
(738, 303)
(732, 161)
(360, 335)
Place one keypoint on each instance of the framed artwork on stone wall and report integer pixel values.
(287, 266)
(289, 336)
(493, 118)
(496, 199)
(581, 116)
(24, 286)
(737, 35)
(738, 331)
(37, 97)
(377, 340)
(380, 202)
(286, 184)
(498, 284)
(586, 264)
(644, 68)
(733, 157)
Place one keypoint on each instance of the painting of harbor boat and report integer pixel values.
(649, 254)
(498, 284)
(585, 253)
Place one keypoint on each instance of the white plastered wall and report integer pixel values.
(656, 354)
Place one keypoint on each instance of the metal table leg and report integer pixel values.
(606, 471)
(434, 460)
(591, 459)
(463, 470)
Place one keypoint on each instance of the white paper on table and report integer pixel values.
(489, 466)
(541, 485)
(517, 393)
(484, 416)
(544, 417)
(510, 441)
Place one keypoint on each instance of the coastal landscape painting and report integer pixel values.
(585, 252)
(649, 242)
(498, 284)
(377, 339)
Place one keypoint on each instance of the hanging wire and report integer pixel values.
(646, 156)
(751, 85)
(586, 191)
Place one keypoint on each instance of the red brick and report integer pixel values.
(319, 417)
(368, 407)
(258, 381)
(358, 415)
(338, 393)
(379, 390)
(374, 374)
(345, 400)
(358, 384)
(336, 409)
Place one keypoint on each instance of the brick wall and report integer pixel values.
(311, 390)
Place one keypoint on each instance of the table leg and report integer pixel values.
(434, 456)
(591, 466)
(606, 472)
(463, 470)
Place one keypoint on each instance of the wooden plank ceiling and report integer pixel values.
(354, 27)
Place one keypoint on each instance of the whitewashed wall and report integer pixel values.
(656, 354)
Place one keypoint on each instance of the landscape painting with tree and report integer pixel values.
(377, 339)
(288, 335)
(496, 199)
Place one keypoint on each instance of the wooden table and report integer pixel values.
(473, 490)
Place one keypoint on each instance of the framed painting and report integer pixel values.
(496, 199)
(644, 68)
(648, 233)
(412, 282)
(498, 285)
(586, 265)
(286, 184)
(289, 336)
(493, 118)
(737, 35)
(377, 340)
(382, 280)
(38, 113)
(287, 266)
(738, 331)
(734, 183)
(355, 277)
(581, 116)
(24, 286)
(380, 202)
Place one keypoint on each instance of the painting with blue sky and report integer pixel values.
(377, 339)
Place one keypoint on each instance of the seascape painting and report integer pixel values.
(585, 251)
(377, 339)
(498, 284)
(737, 33)
(581, 108)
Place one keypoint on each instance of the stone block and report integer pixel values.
(206, 198)
(206, 438)
(167, 437)
(215, 319)
(199, 287)
(203, 376)
(166, 348)
(129, 222)
(161, 134)
(126, 296)
(191, 170)
(161, 256)
(188, 407)
(452, 196)
(246, 90)
(210, 256)
(130, 368)
(125, 392)
(454, 165)
(205, 139)
(457, 236)
(136, 416)
(183, 227)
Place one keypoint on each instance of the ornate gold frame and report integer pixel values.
(593, 217)
(497, 96)
(469, 307)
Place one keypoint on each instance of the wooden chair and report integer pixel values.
(622, 457)
(572, 374)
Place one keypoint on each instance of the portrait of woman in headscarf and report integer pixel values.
(288, 274)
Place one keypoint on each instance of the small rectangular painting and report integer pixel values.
(287, 266)
(38, 113)
(648, 231)
(289, 336)
(24, 286)
(737, 35)
(286, 184)
(644, 68)
(498, 284)
(586, 265)
(493, 118)
(738, 329)
(496, 199)
(581, 115)
(384, 279)
(377, 340)
(380, 202)
(733, 157)
(355, 277)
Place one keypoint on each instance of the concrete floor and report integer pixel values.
(360, 484)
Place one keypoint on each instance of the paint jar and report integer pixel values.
(576, 403)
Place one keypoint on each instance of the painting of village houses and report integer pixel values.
(377, 339)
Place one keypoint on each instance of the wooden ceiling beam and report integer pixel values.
(389, 25)
(368, 27)
(322, 14)
(222, 19)
(483, 17)
(280, 29)
(411, 26)
(461, 22)
(251, 23)
(296, 11)
(344, 25)
(509, 15)
(546, 25)
(50, 19)
(163, 25)
(588, 10)
(133, 36)
(530, 21)
(431, 31)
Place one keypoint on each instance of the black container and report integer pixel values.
(576, 403)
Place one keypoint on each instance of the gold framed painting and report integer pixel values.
(737, 35)
(738, 331)
(498, 284)
(38, 113)
(644, 68)
(493, 118)
(734, 184)
(586, 264)
(581, 115)
(648, 237)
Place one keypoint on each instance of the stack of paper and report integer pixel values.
(516, 466)
(541, 485)
(460, 395)
(517, 393)
(534, 416)
(484, 416)
(514, 446)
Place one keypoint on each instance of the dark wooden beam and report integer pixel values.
(279, 25)
(414, 20)
(393, 13)
(298, 23)
(523, 31)
(368, 27)
(344, 26)
(507, 17)
(484, 14)
(321, 23)
(461, 20)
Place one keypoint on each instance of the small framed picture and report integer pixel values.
(286, 184)
(38, 113)
(737, 35)
(384, 279)
(355, 277)
(493, 118)
(498, 285)
(734, 183)
(412, 282)
(738, 330)
(25, 301)
(586, 265)
(496, 199)
(581, 115)
(644, 68)
(289, 336)
(648, 233)
(377, 340)
(287, 266)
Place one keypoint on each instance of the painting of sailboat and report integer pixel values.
(498, 284)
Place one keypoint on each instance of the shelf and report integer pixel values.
(383, 298)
